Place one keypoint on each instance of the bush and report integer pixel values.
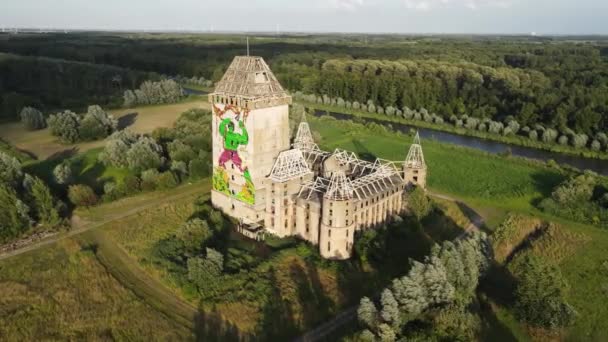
(563, 140)
(32, 118)
(533, 135)
(62, 173)
(541, 294)
(419, 204)
(149, 179)
(65, 126)
(167, 180)
(82, 195)
(130, 185)
(198, 168)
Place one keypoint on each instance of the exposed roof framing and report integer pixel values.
(290, 164)
(340, 187)
(415, 158)
(319, 185)
(304, 138)
(249, 76)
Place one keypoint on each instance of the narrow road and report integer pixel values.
(349, 315)
(81, 227)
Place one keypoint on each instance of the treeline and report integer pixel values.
(508, 127)
(547, 81)
(164, 91)
(447, 88)
(49, 84)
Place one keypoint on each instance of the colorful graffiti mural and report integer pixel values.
(232, 139)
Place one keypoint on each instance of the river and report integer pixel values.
(579, 162)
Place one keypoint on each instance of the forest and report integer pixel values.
(558, 83)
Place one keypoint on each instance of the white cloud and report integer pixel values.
(425, 5)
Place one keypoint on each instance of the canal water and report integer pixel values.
(580, 162)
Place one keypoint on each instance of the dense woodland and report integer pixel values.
(554, 82)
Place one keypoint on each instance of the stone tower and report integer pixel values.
(250, 129)
(414, 168)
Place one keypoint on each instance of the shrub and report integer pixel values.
(167, 180)
(541, 294)
(179, 167)
(131, 184)
(563, 140)
(82, 195)
(198, 168)
(32, 118)
(356, 105)
(65, 126)
(115, 151)
(371, 108)
(419, 204)
(149, 179)
(178, 151)
(596, 145)
(549, 135)
(62, 173)
(533, 135)
(579, 140)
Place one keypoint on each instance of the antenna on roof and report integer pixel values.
(247, 46)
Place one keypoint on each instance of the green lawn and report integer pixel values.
(476, 177)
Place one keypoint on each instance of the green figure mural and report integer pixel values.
(231, 141)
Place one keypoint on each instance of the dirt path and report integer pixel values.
(127, 271)
(80, 226)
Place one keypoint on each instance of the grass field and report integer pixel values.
(63, 292)
(42, 145)
(476, 177)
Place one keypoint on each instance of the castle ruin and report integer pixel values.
(296, 189)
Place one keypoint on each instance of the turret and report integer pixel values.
(414, 168)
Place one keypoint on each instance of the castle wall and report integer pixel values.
(308, 218)
(280, 215)
(337, 231)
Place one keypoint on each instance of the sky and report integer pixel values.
(372, 16)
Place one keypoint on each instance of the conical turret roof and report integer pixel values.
(250, 77)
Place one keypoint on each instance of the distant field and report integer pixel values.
(145, 119)
(63, 292)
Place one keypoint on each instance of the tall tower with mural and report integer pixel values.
(250, 129)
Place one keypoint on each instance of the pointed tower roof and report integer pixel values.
(304, 140)
(249, 80)
(340, 187)
(415, 157)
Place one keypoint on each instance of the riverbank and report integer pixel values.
(514, 140)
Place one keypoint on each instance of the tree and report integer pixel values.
(96, 124)
(390, 309)
(419, 204)
(367, 313)
(65, 126)
(62, 173)
(82, 195)
(145, 154)
(10, 170)
(541, 294)
(439, 289)
(194, 234)
(32, 118)
(14, 214)
(115, 151)
(43, 203)
(130, 99)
